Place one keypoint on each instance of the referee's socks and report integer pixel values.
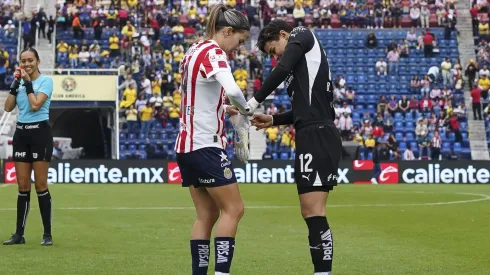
(45, 203)
(321, 244)
(23, 207)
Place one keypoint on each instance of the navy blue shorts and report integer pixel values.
(206, 167)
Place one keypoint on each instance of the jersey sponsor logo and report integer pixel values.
(289, 78)
(174, 175)
(34, 155)
(389, 173)
(224, 159)
(10, 175)
(433, 173)
(206, 181)
(297, 30)
(29, 127)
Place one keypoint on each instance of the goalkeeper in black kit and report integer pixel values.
(304, 67)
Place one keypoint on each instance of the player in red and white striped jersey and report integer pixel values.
(203, 162)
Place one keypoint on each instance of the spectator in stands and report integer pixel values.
(114, 45)
(174, 115)
(381, 67)
(424, 16)
(411, 38)
(73, 57)
(345, 126)
(77, 28)
(132, 119)
(391, 46)
(421, 129)
(446, 71)
(396, 14)
(379, 119)
(415, 85)
(267, 155)
(471, 72)
(404, 48)
(423, 143)
(369, 144)
(340, 82)
(257, 83)
(483, 30)
(129, 97)
(403, 105)
(425, 104)
(378, 131)
(486, 111)
(379, 16)
(272, 134)
(393, 60)
(392, 105)
(371, 41)
(484, 71)
(84, 56)
(146, 115)
(428, 41)
(408, 154)
(141, 102)
(349, 95)
(367, 129)
(415, 16)
(382, 103)
(299, 15)
(433, 74)
(9, 28)
(435, 94)
(484, 85)
(272, 110)
(476, 102)
(454, 126)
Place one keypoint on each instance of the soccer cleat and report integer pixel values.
(374, 181)
(15, 239)
(47, 240)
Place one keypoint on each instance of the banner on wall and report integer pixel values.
(84, 87)
(163, 171)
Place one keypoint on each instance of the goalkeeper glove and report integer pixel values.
(241, 124)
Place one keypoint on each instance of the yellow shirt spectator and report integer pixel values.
(129, 98)
(370, 142)
(168, 67)
(308, 3)
(128, 31)
(272, 133)
(73, 55)
(178, 78)
(231, 3)
(298, 2)
(192, 12)
(132, 3)
(178, 29)
(178, 56)
(156, 87)
(132, 115)
(114, 43)
(173, 112)
(203, 2)
(240, 73)
(484, 83)
(242, 83)
(62, 47)
(177, 98)
(286, 138)
(111, 14)
(483, 28)
(146, 113)
(167, 56)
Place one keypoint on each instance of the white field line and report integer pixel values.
(483, 197)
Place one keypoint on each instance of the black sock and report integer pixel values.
(45, 202)
(321, 243)
(23, 207)
(224, 248)
(200, 251)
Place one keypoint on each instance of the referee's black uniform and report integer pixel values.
(305, 67)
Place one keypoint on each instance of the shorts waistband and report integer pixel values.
(314, 123)
(32, 125)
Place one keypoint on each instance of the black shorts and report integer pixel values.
(32, 142)
(318, 153)
(206, 167)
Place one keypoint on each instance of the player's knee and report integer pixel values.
(24, 183)
(312, 211)
(235, 210)
(41, 184)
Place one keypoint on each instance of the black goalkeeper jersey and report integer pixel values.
(304, 68)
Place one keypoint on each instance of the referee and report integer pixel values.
(32, 142)
(304, 68)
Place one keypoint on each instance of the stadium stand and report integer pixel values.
(146, 42)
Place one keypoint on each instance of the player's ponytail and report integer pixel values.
(220, 17)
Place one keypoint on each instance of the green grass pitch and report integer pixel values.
(144, 229)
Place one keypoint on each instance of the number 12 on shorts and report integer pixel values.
(304, 163)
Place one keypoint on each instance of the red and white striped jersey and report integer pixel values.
(202, 114)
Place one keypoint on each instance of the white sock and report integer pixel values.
(221, 273)
(323, 273)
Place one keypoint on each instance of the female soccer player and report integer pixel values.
(203, 163)
(304, 67)
(32, 142)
